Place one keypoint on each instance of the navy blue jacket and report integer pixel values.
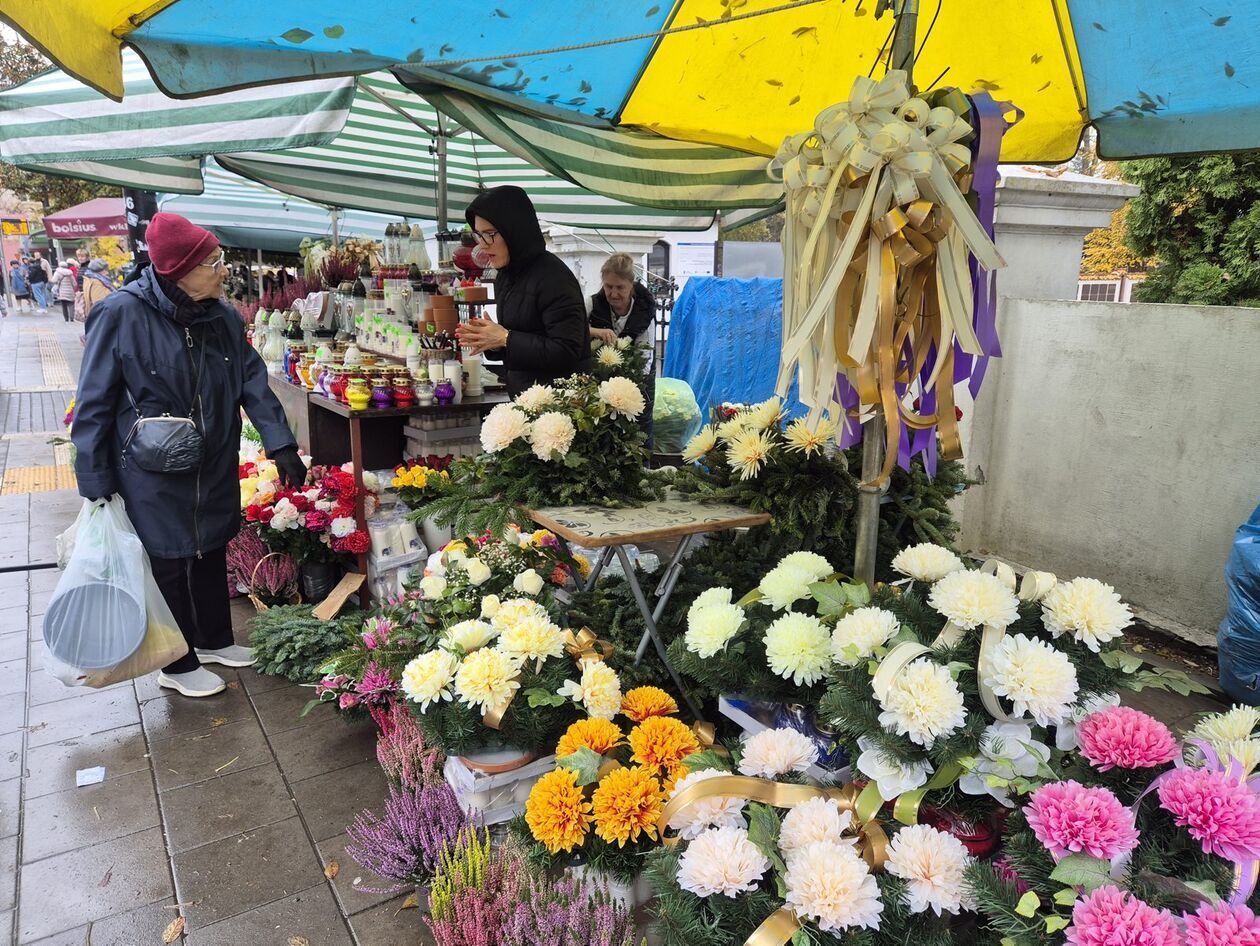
(134, 344)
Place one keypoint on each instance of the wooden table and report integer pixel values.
(611, 530)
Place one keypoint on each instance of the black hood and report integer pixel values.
(512, 213)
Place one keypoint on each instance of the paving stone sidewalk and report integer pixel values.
(225, 810)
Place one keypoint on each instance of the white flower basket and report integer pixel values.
(498, 797)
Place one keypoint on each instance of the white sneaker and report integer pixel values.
(195, 683)
(233, 656)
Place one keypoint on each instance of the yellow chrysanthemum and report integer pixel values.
(598, 735)
(730, 429)
(556, 811)
(537, 537)
(748, 452)
(800, 439)
(645, 702)
(627, 804)
(661, 743)
(699, 445)
(765, 415)
(584, 565)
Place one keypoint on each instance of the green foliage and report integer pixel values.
(1201, 217)
(289, 642)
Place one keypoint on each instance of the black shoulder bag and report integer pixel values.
(168, 443)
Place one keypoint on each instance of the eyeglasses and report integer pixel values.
(485, 237)
(217, 263)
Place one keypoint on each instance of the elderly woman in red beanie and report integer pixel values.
(165, 343)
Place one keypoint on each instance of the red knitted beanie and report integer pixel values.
(177, 245)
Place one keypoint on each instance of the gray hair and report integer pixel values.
(619, 264)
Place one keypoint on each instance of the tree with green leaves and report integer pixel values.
(1201, 217)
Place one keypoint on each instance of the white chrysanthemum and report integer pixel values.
(774, 752)
(699, 445)
(923, 703)
(831, 885)
(502, 426)
(599, 690)
(1086, 608)
(764, 415)
(927, 562)
(509, 612)
(748, 451)
(819, 819)
(1238, 722)
(811, 563)
(933, 863)
(427, 679)
(710, 629)
(534, 638)
(469, 635)
(536, 397)
(528, 582)
(432, 587)
(623, 396)
(860, 632)
(784, 585)
(730, 429)
(623, 343)
(1008, 751)
(487, 678)
(971, 599)
(710, 596)
(891, 777)
(609, 357)
(801, 438)
(551, 435)
(721, 812)
(1038, 680)
(721, 861)
(798, 648)
(478, 572)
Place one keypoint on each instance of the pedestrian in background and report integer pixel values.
(62, 287)
(19, 284)
(82, 259)
(96, 285)
(39, 272)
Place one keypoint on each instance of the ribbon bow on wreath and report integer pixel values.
(877, 282)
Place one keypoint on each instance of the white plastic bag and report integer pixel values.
(107, 620)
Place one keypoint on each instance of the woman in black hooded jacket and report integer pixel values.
(542, 332)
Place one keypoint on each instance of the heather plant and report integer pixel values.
(403, 752)
(475, 892)
(568, 912)
(405, 843)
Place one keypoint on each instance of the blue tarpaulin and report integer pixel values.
(724, 339)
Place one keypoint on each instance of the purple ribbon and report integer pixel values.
(987, 119)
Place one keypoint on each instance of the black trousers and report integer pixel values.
(197, 591)
(67, 309)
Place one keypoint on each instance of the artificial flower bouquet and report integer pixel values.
(421, 480)
(314, 523)
(602, 803)
(574, 441)
(622, 359)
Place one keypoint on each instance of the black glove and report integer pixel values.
(95, 499)
(290, 466)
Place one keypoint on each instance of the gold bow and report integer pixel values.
(706, 735)
(585, 645)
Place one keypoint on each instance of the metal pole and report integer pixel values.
(443, 202)
(260, 276)
(336, 243)
(866, 542)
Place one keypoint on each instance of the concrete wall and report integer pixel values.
(1120, 442)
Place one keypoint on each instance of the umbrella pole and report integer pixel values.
(443, 204)
(866, 541)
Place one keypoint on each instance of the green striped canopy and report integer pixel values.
(369, 144)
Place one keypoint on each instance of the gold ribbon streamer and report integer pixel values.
(776, 929)
(706, 735)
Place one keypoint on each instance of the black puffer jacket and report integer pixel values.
(642, 312)
(135, 344)
(537, 297)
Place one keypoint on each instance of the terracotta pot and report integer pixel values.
(440, 302)
(475, 294)
(494, 764)
(446, 321)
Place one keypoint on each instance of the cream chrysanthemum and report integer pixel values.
(722, 811)
(532, 638)
(730, 429)
(798, 648)
(623, 396)
(536, 397)
(609, 357)
(784, 585)
(927, 562)
(764, 415)
(486, 679)
(811, 563)
(923, 703)
(551, 435)
(800, 439)
(819, 819)
(1246, 751)
(748, 452)
(515, 610)
(502, 426)
(1038, 680)
(774, 752)
(971, 599)
(831, 885)
(933, 863)
(469, 635)
(599, 690)
(710, 596)
(427, 679)
(1238, 722)
(1088, 609)
(699, 446)
(860, 632)
(710, 628)
(721, 861)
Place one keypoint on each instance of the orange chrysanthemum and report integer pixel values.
(556, 811)
(661, 743)
(645, 702)
(599, 735)
(627, 803)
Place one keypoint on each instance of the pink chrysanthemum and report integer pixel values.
(1122, 737)
(1219, 924)
(1068, 818)
(1111, 917)
(1219, 812)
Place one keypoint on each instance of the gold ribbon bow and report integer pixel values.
(582, 646)
(706, 735)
